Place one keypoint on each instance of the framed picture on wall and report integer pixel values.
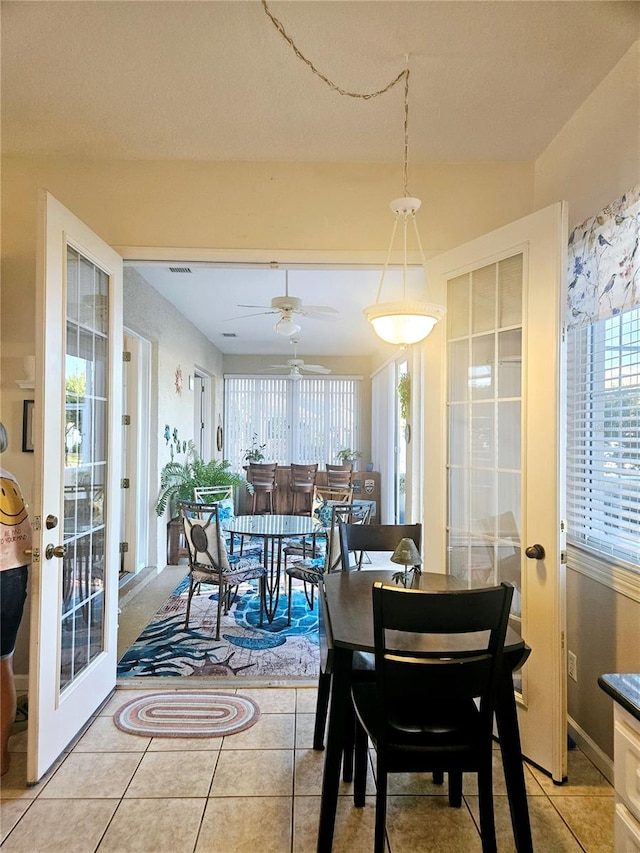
(27, 426)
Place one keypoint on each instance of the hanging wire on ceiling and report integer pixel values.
(366, 96)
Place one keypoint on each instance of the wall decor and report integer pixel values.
(27, 426)
(219, 436)
(178, 380)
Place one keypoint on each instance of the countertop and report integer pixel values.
(624, 688)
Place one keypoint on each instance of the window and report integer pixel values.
(603, 437)
(302, 421)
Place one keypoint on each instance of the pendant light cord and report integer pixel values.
(366, 96)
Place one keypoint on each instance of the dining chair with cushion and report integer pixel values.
(432, 711)
(301, 484)
(263, 479)
(210, 562)
(326, 559)
(355, 539)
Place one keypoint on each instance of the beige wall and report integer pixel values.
(175, 343)
(592, 161)
(596, 155)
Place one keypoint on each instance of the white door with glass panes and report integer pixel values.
(74, 575)
(494, 448)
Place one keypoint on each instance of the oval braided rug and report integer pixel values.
(187, 713)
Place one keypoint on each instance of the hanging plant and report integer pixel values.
(404, 395)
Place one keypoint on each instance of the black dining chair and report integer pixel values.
(432, 711)
(210, 563)
(357, 538)
(376, 537)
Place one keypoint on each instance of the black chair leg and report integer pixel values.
(289, 600)
(381, 807)
(322, 705)
(360, 776)
(485, 805)
(438, 777)
(455, 788)
(349, 738)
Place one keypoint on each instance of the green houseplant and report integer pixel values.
(348, 455)
(178, 479)
(254, 453)
(403, 389)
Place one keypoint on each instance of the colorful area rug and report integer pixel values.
(273, 651)
(187, 713)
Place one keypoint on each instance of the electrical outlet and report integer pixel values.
(572, 666)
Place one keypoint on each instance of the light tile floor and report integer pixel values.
(260, 790)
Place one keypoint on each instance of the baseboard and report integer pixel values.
(591, 750)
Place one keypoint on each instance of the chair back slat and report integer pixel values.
(472, 625)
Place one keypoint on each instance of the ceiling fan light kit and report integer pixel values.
(401, 322)
(286, 326)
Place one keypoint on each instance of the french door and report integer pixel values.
(494, 447)
(74, 577)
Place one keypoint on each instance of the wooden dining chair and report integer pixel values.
(339, 476)
(301, 484)
(432, 711)
(263, 479)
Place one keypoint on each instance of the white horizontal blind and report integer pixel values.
(305, 421)
(603, 436)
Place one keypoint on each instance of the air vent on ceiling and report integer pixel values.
(179, 269)
(229, 334)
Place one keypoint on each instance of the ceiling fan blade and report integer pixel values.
(318, 309)
(244, 316)
(266, 307)
(316, 368)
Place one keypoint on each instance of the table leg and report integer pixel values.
(509, 733)
(272, 564)
(340, 689)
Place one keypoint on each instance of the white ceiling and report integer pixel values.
(210, 297)
(213, 80)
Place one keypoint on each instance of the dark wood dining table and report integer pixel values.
(346, 616)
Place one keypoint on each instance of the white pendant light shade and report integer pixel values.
(403, 322)
(286, 326)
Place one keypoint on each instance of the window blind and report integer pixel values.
(603, 436)
(305, 421)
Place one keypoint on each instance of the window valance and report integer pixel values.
(604, 262)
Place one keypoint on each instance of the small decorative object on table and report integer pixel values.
(407, 555)
(254, 453)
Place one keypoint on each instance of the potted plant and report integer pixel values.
(404, 395)
(348, 455)
(254, 453)
(179, 479)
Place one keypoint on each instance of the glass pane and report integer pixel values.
(483, 306)
(483, 499)
(482, 435)
(459, 371)
(459, 498)
(459, 434)
(509, 496)
(510, 363)
(481, 372)
(510, 291)
(509, 435)
(458, 306)
(86, 409)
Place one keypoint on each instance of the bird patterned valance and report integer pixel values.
(604, 262)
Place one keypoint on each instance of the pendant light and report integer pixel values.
(403, 321)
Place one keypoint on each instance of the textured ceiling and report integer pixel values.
(214, 80)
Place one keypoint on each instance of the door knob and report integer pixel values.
(535, 552)
(55, 551)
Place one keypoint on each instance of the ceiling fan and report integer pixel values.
(287, 306)
(297, 366)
